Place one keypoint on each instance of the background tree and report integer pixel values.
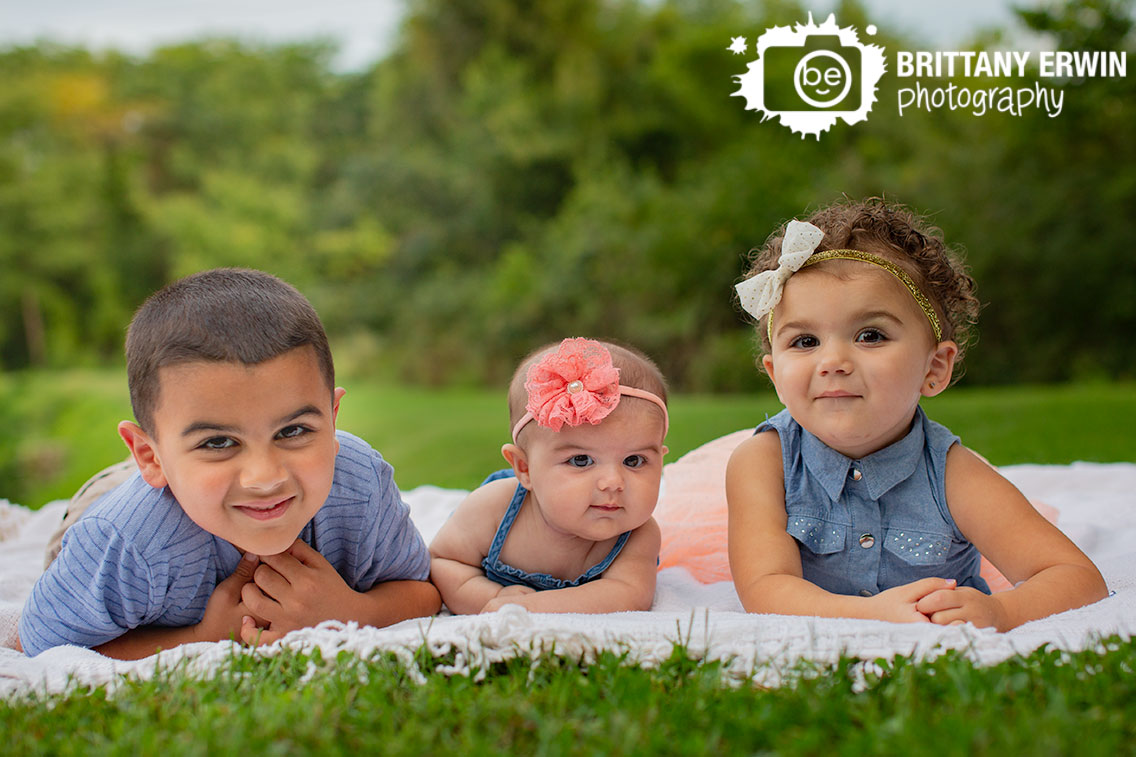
(512, 173)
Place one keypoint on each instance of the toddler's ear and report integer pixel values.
(516, 458)
(767, 363)
(941, 369)
(145, 455)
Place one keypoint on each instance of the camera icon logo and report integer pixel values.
(822, 77)
(811, 76)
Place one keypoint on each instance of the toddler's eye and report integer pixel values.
(291, 432)
(580, 461)
(804, 342)
(635, 461)
(871, 336)
(218, 443)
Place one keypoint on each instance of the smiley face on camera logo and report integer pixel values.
(811, 76)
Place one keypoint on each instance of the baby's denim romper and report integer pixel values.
(507, 575)
(864, 526)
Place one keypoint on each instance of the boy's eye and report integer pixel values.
(580, 461)
(292, 432)
(871, 336)
(804, 342)
(218, 443)
(635, 461)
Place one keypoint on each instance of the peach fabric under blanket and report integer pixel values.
(693, 519)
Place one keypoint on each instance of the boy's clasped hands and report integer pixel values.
(266, 597)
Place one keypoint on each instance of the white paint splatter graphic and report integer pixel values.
(833, 77)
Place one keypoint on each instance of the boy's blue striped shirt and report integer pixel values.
(136, 559)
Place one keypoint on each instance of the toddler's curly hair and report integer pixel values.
(900, 235)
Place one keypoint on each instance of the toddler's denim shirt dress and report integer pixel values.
(864, 526)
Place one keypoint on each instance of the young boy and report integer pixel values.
(250, 515)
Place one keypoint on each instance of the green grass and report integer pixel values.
(1049, 703)
(59, 428)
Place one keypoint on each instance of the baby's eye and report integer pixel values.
(871, 336)
(804, 342)
(217, 443)
(292, 432)
(635, 461)
(580, 461)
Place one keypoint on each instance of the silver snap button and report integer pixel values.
(867, 541)
(855, 474)
(865, 593)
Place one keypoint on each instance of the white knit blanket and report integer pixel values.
(1097, 504)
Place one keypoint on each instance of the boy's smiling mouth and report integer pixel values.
(266, 510)
(836, 394)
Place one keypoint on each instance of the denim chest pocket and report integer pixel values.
(822, 537)
(917, 547)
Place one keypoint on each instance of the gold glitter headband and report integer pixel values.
(867, 257)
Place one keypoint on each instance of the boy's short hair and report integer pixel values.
(635, 370)
(903, 237)
(228, 315)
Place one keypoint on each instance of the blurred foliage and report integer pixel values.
(513, 173)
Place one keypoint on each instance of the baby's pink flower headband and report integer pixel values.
(576, 384)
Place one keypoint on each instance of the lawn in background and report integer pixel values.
(59, 428)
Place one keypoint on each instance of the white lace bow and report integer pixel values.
(761, 293)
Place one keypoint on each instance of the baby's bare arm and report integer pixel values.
(463, 542)
(464, 588)
(627, 584)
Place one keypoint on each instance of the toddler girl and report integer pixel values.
(851, 502)
(572, 532)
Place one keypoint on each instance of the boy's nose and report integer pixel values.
(262, 471)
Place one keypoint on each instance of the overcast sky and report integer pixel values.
(365, 28)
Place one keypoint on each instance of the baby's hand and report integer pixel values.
(963, 604)
(297, 588)
(508, 595)
(901, 604)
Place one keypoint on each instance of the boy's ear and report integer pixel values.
(336, 396)
(941, 368)
(516, 458)
(145, 454)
